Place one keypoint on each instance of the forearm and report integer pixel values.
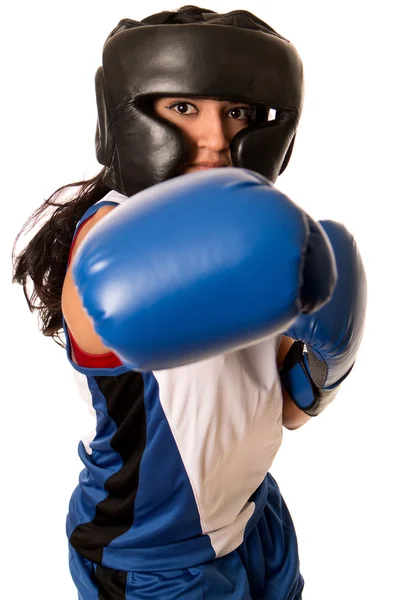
(292, 417)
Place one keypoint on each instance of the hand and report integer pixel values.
(332, 334)
(200, 265)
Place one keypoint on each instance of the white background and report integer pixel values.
(338, 473)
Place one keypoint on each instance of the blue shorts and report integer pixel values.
(264, 567)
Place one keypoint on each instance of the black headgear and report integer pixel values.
(234, 56)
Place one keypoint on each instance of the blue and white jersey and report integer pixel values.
(175, 471)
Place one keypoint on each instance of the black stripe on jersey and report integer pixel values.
(111, 583)
(124, 395)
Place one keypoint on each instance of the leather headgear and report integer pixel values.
(234, 56)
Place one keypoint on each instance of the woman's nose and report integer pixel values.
(212, 134)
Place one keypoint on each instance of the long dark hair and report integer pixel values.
(40, 267)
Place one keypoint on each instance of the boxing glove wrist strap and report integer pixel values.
(296, 376)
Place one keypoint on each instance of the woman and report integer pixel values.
(159, 513)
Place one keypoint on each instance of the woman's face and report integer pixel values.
(208, 126)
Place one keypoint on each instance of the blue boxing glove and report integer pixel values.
(200, 265)
(328, 340)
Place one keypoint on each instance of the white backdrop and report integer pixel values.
(338, 473)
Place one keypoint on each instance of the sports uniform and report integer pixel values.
(176, 476)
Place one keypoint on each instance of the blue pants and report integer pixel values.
(264, 567)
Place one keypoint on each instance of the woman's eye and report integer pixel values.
(240, 113)
(183, 108)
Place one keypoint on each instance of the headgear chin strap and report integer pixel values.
(232, 57)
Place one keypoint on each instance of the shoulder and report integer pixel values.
(89, 220)
(76, 318)
(98, 210)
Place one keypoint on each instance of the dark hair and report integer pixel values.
(43, 262)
